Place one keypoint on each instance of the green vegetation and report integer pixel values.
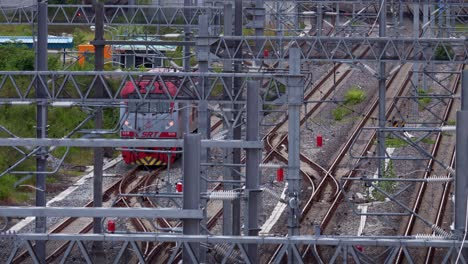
(16, 30)
(395, 143)
(386, 186)
(7, 191)
(428, 141)
(177, 56)
(398, 142)
(451, 122)
(423, 99)
(443, 53)
(20, 120)
(352, 97)
(340, 112)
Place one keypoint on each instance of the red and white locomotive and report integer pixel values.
(151, 120)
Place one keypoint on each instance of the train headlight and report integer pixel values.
(170, 124)
(126, 122)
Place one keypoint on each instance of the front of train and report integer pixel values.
(155, 119)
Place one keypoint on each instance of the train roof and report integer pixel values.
(158, 87)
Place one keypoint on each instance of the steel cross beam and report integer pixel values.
(176, 16)
(66, 87)
(374, 241)
(171, 213)
(339, 49)
(123, 15)
(131, 143)
(344, 248)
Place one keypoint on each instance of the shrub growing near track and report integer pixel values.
(353, 96)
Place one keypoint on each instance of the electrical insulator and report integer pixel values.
(224, 195)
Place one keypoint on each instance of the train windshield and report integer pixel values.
(149, 107)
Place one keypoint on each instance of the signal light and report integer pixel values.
(179, 187)
(279, 174)
(111, 226)
(319, 141)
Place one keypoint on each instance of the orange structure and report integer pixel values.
(87, 49)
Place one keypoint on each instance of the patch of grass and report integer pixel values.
(423, 99)
(443, 53)
(428, 141)
(451, 122)
(395, 143)
(51, 179)
(9, 192)
(386, 186)
(340, 112)
(217, 90)
(76, 156)
(354, 95)
(16, 30)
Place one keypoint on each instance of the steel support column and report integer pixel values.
(191, 193)
(228, 125)
(98, 152)
(318, 30)
(259, 25)
(186, 107)
(252, 167)
(416, 66)
(41, 125)
(203, 50)
(295, 92)
(237, 132)
(426, 33)
(382, 91)
(461, 168)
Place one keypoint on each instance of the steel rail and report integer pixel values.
(422, 187)
(338, 195)
(70, 220)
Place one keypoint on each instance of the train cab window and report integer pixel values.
(149, 107)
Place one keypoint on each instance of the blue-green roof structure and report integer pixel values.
(53, 42)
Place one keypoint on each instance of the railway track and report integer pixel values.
(328, 184)
(425, 200)
(126, 185)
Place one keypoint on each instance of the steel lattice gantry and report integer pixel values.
(64, 88)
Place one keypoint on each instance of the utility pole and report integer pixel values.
(228, 124)
(461, 166)
(252, 171)
(98, 152)
(191, 194)
(295, 92)
(203, 50)
(381, 152)
(237, 132)
(41, 125)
